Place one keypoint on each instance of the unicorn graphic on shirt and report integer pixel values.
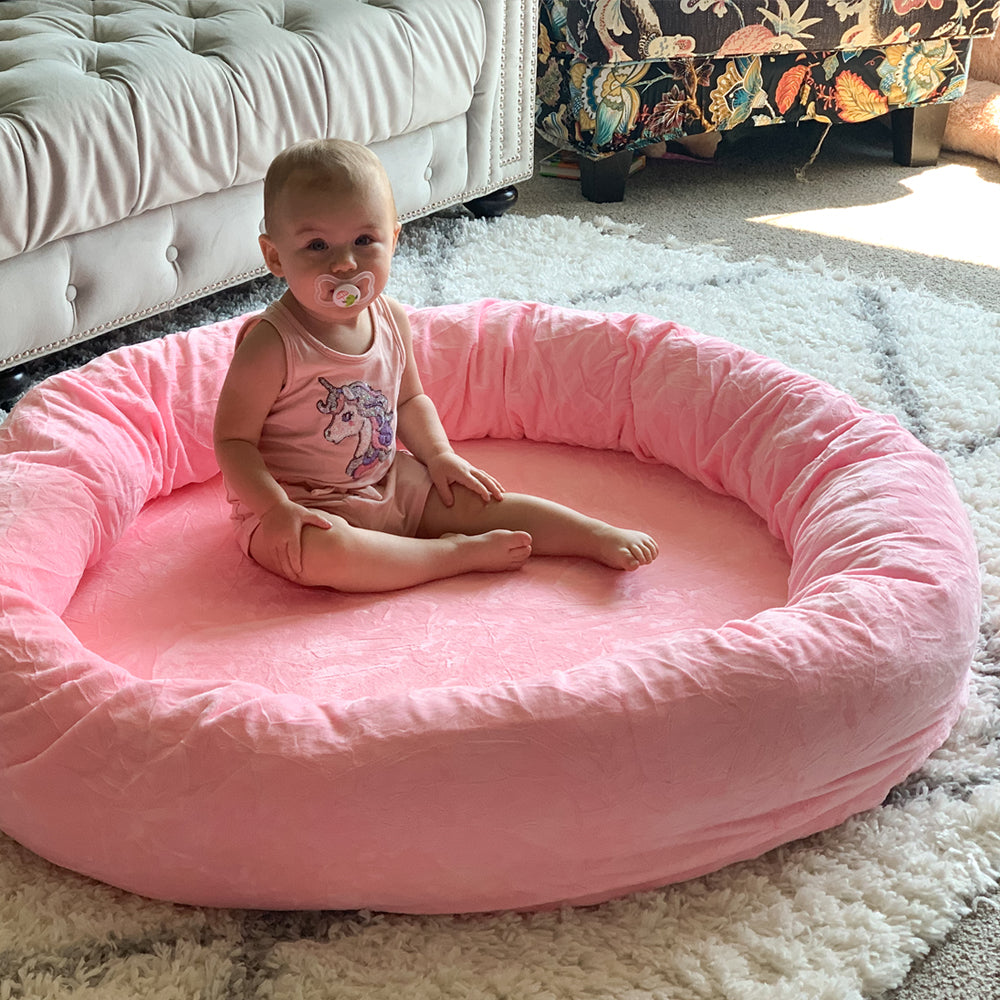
(358, 410)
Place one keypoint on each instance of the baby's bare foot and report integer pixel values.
(620, 548)
(493, 551)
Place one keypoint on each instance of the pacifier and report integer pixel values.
(359, 291)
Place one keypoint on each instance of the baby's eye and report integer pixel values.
(316, 245)
(364, 241)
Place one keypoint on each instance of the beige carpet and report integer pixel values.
(938, 227)
(855, 207)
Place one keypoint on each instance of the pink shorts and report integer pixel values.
(394, 504)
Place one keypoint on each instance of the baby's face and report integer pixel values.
(328, 235)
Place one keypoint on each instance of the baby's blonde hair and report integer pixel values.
(322, 161)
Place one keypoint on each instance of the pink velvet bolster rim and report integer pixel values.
(628, 771)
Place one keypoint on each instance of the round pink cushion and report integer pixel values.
(650, 762)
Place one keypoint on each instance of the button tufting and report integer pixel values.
(171, 253)
(428, 174)
(70, 293)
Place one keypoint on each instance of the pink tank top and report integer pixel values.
(334, 421)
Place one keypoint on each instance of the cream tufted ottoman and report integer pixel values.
(134, 135)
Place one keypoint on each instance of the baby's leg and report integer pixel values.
(555, 530)
(358, 560)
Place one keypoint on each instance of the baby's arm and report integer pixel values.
(253, 382)
(420, 429)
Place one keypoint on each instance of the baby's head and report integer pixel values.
(330, 223)
(329, 165)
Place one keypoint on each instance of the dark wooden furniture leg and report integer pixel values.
(917, 134)
(604, 179)
(490, 206)
(13, 381)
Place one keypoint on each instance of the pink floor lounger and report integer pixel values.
(176, 721)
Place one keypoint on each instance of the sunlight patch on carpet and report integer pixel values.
(902, 223)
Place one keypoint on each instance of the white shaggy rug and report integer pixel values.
(839, 916)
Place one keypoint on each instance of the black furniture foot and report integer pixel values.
(917, 134)
(491, 206)
(604, 179)
(13, 382)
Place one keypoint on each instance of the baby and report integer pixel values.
(324, 381)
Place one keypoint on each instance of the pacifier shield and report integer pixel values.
(346, 294)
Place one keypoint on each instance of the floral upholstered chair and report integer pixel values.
(618, 75)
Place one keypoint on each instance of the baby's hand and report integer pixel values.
(448, 469)
(280, 533)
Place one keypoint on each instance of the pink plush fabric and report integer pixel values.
(177, 722)
(974, 121)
